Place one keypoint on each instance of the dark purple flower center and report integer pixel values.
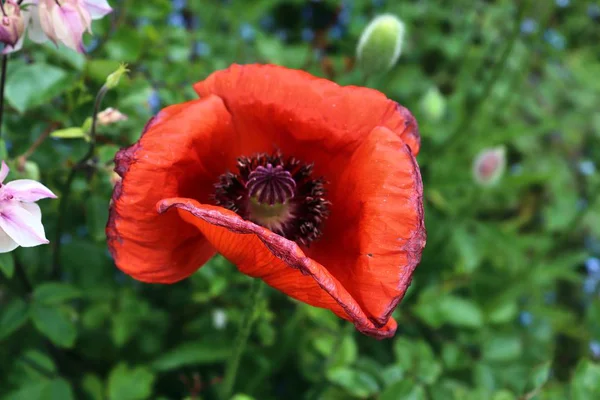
(279, 194)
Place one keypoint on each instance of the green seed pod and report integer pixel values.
(380, 44)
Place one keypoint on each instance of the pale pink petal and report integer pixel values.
(4, 170)
(98, 8)
(6, 243)
(47, 20)
(28, 190)
(36, 31)
(23, 223)
(69, 27)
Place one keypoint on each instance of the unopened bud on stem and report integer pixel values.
(380, 44)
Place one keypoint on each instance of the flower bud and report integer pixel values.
(12, 25)
(489, 165)
(433, 104)
(380, 44)
(112, 81)
(110, 116)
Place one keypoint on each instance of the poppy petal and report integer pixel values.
(181, 153)
(260, 253)
(375, 234)
(291, 106)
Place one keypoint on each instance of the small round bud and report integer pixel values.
(433, 104)
(380, 44)
(489, 166)
(112, 81)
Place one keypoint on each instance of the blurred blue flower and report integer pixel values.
(336, 32)
(595, 348)
(267, 22)
(555, 39)
(82, 231)
(66, 238)
(550, 297)
(378, 3)
(92, 44)
(282, 34)
(593, 11)
(529, 26)
(307, 13)
(308, 34)
(592, 244)
(176, 19)
(8, 144)
(592, 265)
(525, 318)
(179, 5)
(590, 284)
(516, 169)
(247, 32)
(143, 21)
(202, 49)
(344, 16)
(587, 167)
(563, 3)
(154, 101)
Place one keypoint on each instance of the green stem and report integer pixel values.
(241, 340)
(66, 192)
(2, 84)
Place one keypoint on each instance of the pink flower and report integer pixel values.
(20, 217)
(12, 25)
(63, 21)
(111, 116)
(489, 165)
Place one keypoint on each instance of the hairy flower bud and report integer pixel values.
(433, 104)
(380, 44)
(12, 25)
(489, 165)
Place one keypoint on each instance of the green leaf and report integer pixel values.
(35, 84)
(7, 264)
(55, 324)
(197, 353)
(69, 133)
(586, 381)
(55, 293)
(538, 377)
(357, 383)
(461, 312)
(126, 383)
(29, 390)
(403, 390)
(93, 387)
(58, 389)
(503, 348)
(13, 317)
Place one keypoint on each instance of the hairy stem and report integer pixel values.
(241, 340)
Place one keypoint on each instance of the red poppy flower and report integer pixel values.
(307, 185)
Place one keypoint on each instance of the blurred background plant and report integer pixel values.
(506, 302)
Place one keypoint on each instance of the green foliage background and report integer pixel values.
(505, 304)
